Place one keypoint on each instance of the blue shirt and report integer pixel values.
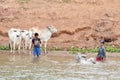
(101, 52)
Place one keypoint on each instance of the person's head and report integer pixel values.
(36, 35)
(101, 44)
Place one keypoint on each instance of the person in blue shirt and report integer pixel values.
(36, 45)
(101, 53)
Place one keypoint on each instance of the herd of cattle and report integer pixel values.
(23, 38)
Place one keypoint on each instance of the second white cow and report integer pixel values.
(26, 39)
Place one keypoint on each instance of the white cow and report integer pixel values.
(45, 34)
(14, 38)
(82, 59)
(26, 39)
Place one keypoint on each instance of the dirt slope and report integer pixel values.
(79, 22)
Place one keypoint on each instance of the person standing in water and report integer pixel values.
(101, 53)
(36, 42)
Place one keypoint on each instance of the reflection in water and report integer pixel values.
(56, 66)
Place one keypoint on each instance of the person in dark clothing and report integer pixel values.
(101, 53)
(36, 45)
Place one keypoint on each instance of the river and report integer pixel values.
(57, 65)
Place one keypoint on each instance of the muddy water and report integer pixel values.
(57, 66)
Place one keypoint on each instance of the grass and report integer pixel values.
(54, 49)
(112, 49)
(4, 48)
(75, 49)
(23, 1)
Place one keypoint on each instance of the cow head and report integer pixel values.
(30, 35)
(52, 29)
(18, 32)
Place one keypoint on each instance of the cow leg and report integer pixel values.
(10, 45)
(45, 46)
(23, 45)
(26, 45)
(30, 46)
(13, 47)
(19, 47)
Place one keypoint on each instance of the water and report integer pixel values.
(57, 66)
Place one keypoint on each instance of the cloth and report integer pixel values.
(99, 59)
(101, 54)
(36, 51)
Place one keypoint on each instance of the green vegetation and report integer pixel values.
(112, 49)
(23, 1)
(66, 1)
(75, 49)
(56, 49)
(4, 48)
(94, 50)
(53, 49)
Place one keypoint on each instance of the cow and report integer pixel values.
(44, 34)
(26, 39)
(14, 38)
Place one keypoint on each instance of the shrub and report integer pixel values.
(56, 49)
(74, 49)
(4, 48)
(112, 49)
(94, 50)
